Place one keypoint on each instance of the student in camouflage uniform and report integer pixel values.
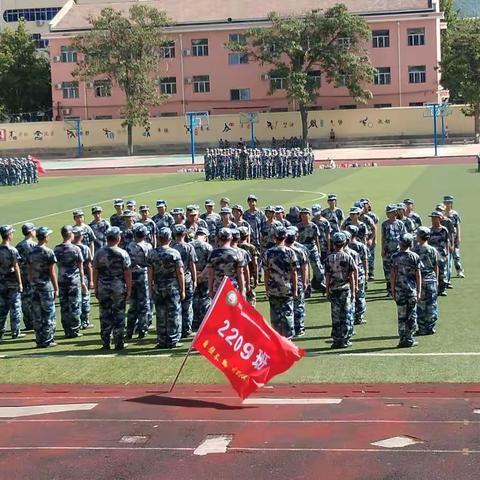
(254, 255)
(87, 277)
(24, 248)
(309, 236)
(189, 260)
(392, 230)
(116, 220)
(224, 262)
(357, 262)
(43, 279)
(201, 300)
(70, 282)
(367, 213)
(149, 224)
(281, 284)
(193, 222)
(455, 217)
(411, 213)
(212, 218)
(225, 219)
(162, 218)
(440, 240)
(354, 219)
(238, 220)
(268, 229)
(99, 227)
(427, 307)
(362, 267)
(132, 207)
(303, 280)
(407, 221)
(255, 219)
(406, 281)
(139, 308)
(178, 214)
(333, 214)
(11, 285)
(324, 230)
(167, 288)
(340, 273)
(127, 234)
(280, 216)
(244, 259)
(88, 235)
(112, 281)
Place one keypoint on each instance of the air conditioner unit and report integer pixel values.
(89, 84)
(67, 111)
(58, 86)
(187, 52)
(56, 58)
(40, 23)
(265, 76)
(188, 80)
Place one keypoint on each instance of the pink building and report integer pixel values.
(200, 74)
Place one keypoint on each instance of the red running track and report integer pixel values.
(275, 441)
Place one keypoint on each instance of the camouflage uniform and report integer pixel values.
(187, 252)
(99, 230)
(324, 230)
(86, 299)
(43, 298)
(307, 236)
(391, 233)
(334, 218)
(405, 264)
(212, 220)
(24, 248)
(201, 299)
(139, 308)
(151, 227)
(281, 261)
(9, 290)
(439, 239)
(255, 220)
(360, 300)
(253, 255)
(116, 220)
(456, 220)
(427, 307)
(224, 262)
(339, 266)
(69, 257)
(371, 248)
(163, 262)
(111, 264)
(299, 303)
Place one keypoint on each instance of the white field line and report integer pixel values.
(242, 449)
(213, 444)
(107, 200)
(292, 401)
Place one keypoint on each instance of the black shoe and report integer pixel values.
(299, 334)
(141, 335)
(187, 334)
(121, 346)
(442, 294)
(105, 346)
(18, 335)
(407, 344)
(128, 336)
(362, 321)
(449, 286)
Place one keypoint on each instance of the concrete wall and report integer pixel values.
(347, 124)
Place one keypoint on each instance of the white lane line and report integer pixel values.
(68, 355)
(397, 442)
(379, 354)
(242, 449)
(213, 444)
(13, 412)
(196, 420)
(292, 401)
(107, 200)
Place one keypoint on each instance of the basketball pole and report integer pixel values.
(192, 136)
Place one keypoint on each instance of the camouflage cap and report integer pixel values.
(331, 197)
(225, 234)
(97, 209)
(401, 206)
(237, 207)
(202, 231)
(436, 215)
(448, 198)
(179, 229)
(27, 228)
(269, 208)
(235, 233)
(144, 208)
(128, 213)
(209, 203)
(43, 232)
(244, 231)
(164, 233)
(352, 229)
(339, 238)
(140, 229)
(280, 232)
(113, 233)
(391, 208)
(406, 239)
(316, 209)
(423, 232)
(355, 211)
(161, 203)
(252, 197)
(66, 230)
(77, 231)
(118, 201)
(224, 200)
(5, 230)
(178, 211)
(225, 210)
(78, 213)
(131, 203)
(305, 210)
(409, 201)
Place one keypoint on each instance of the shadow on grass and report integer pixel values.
(312, 352)
(185, 402)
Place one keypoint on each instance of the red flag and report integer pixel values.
(40, 167)
(238, 341)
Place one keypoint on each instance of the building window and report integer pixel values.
(417, 74)
(383, 105)
(278, 82)
(200, 47)
(237, 38)
(342, 81)
(237, 58)
(68, 54)
(201, 84)
(382, 76)
(416, 37)
(103, 88)
(30, 14)
(168, 51)
(279, 109)
(40, 43)
(103, 117)
(347, 107)
(240, 94)
(316, 77)
(381, 38)
(344, 42)
(416, 104)
(168, 86)
(167, 114)
(70, 89)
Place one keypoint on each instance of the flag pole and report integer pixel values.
(195, 337)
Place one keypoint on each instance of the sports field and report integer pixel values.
(452, 355)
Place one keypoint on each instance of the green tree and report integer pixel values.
(24, 74)
(461, 67)
(450, 13)
(331, 42)
(126, 51)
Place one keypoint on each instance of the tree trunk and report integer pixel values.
(304, 117)
(476, 116)
(130, 139)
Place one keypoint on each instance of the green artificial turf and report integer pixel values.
(373, 357)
